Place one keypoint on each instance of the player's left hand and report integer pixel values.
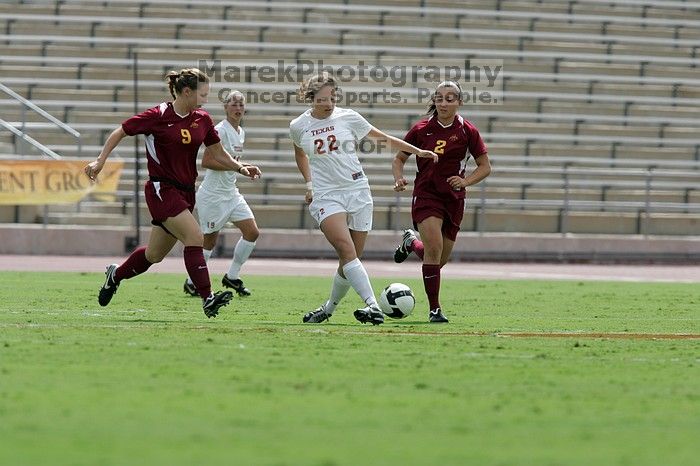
(427, 154)
(457, 182)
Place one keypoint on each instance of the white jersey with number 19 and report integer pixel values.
(331, 145)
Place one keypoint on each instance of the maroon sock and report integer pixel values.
(197, 268)
(135, 264)
(417, 247)
(431, 282)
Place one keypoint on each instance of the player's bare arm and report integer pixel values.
(400, 144)
(397, 166)
(482, 170)
(215, 156)
(302, 161)
(94, 168)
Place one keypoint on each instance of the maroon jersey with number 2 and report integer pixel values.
(432, 195)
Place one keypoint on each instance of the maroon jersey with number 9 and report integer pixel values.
(172, 140)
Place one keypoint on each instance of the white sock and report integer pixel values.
(338, 291)
(207, 256)
(241, 253)
(357, 276)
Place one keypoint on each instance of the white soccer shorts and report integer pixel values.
(357, 204)
(214, 211)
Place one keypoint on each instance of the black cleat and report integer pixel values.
(215, 301)
(371, 314)
(317, 316)
(404, 248)
(189, 288)
(436, 316)
(236, 284)
(109, 287)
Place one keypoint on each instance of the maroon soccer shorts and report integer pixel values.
(450, 211)
(165, 201)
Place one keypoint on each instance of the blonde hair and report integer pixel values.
(309, 88)
(234, 94)
(186, 77)
(432, 108)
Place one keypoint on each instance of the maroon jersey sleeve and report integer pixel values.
(476, 143)
(142, 123)
(212, 136)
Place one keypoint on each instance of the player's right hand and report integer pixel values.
(309, 196)
(400, 184)
(427, 154)
(93, 169)
(253, 172)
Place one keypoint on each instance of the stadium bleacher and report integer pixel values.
(597, 131)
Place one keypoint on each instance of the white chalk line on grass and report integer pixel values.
(388, 333)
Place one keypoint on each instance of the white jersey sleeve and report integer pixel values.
(357, 123)
(294, 133)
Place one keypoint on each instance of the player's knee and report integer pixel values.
(209, 241)
(251, 235)
(194, 239)
(346, 251)
(432, 254)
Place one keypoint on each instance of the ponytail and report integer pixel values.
(187, 77)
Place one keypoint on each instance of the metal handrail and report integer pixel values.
(44, 114)
(29, 139)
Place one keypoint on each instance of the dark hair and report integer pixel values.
(432, 108)
(186, 77)
(309, 88)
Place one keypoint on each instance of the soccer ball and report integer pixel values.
(397, 301)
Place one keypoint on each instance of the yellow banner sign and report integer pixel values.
(39, 182)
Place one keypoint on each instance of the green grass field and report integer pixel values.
(150, 381)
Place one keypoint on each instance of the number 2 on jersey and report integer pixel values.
(186, 136)
(440, 146)
(332, 144)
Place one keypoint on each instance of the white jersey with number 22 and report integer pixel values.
(331, 145)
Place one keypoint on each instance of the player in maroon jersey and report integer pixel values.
(439, 190)
(174, 131)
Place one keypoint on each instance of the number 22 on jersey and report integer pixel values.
(319, 144)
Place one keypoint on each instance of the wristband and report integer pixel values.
(309, 186)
